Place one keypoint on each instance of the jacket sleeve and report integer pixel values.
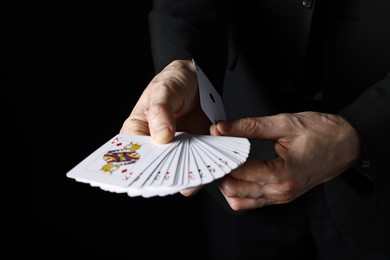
(369, 114)
(188, 29)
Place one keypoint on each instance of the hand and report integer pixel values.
(169, 103)
(311, 148)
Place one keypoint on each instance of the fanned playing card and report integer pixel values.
(135, 165)
(210, 100)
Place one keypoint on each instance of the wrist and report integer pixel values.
(181, 64)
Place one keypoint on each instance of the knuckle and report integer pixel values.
(227, 192)
(284, 121)
(286, 191)
(249, 125)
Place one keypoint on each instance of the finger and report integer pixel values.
(165, 100)
(162, 124)
(236, 194)
(238, 188)
(214, 130)
(156, 120)
(135, 127)
(172, 95)
(242, 194)
(240, 204)
(260, 172)
(267, 128)
(190, 191)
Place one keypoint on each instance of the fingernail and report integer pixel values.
(223, 126)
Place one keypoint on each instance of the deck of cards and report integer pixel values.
(135, 165)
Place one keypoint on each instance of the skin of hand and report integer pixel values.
(311, 148)
(169, 103)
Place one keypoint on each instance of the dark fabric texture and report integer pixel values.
(331, 57)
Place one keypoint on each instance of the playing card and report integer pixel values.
(210, 100)
(137, 166)
(205, 172)
(112, 164)
(235, 148)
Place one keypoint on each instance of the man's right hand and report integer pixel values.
(168, 104)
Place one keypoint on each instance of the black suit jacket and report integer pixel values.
(331, 56)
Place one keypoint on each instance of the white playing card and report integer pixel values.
(137, 166)
(204, 171)
(148, 170)
(180, 177)
(157, 177)
(212, 167)
(194, 177)
(219, 155)
(168, 169)
(236, 149)
(112, 163)
(210, 100)
(172, 176)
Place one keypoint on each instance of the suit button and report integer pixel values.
(307, 3)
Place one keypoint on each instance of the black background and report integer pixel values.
(91, 63)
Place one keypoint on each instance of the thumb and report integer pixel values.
(261, 128)
(162, 124)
